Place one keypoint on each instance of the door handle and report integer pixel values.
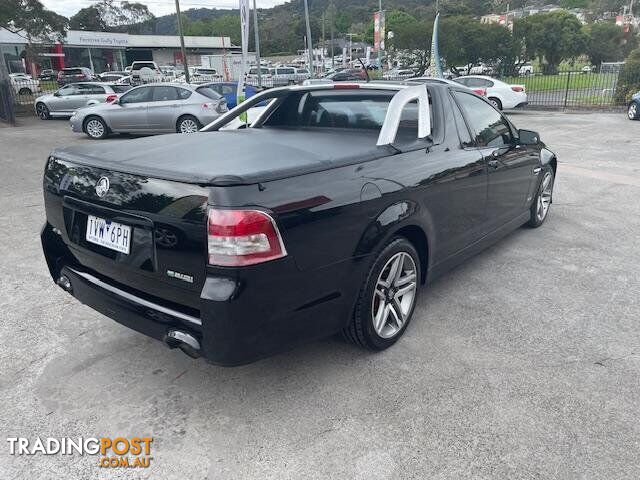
(493, 164)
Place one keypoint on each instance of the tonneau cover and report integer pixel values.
(232, 157)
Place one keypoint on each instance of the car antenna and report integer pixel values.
(365, 69)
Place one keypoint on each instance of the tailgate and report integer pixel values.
(157, 244)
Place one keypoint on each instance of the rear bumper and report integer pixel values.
(238, 320)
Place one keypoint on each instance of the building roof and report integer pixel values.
(82, 38)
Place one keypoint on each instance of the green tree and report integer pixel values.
(31, 18)
(553, 37)
(608, 43)
(629, 78)
(109, 15)
(413, 40)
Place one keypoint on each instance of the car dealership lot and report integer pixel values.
(522, 363)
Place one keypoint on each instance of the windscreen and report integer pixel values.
(140, 65)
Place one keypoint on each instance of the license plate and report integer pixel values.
(108, 234)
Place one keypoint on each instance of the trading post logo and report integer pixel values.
(119, 452)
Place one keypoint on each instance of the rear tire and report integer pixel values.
(544, 196)
(188, 124)
(42, 111)
(95, 128)
(633, 111)
(387, 297)
(495, 102)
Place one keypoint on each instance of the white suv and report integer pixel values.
(145, 72)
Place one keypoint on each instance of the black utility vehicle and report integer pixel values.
(325, 216)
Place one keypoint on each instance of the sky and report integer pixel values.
(157, 7)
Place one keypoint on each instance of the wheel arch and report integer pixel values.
(403, 218)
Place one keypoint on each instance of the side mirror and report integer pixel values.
(56, 94)
(528, 137)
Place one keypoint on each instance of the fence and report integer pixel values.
(563, 91)
(573, 90)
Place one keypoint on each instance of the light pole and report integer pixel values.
(380, 40)
(309, 41)
(257, 37)
(182, 49)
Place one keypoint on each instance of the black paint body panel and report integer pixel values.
(334, 211)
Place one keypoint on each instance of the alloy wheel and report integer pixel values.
(95, 128)
(544, 198)
(633, 111)
(394, 295)
(42, 111)
(188, 126)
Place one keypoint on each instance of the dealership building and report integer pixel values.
(103, 51)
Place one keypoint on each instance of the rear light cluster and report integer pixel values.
(480, 91)
(238, 238)
(517, 88)
(220, 106)
(111, 98)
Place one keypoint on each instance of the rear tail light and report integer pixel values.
(480, 91)
(517, 88)
(345, 86)
(111, 98)
(242, 237)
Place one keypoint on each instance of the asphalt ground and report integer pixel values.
(522, 363)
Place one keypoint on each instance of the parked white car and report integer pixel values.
(23, 84)
(145, 72)
(204, 75)
(526, 69)
(502, 95)
(398, 74)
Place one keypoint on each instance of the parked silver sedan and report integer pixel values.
(152, 108)
(66, 100)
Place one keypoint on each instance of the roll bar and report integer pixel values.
(399, 101)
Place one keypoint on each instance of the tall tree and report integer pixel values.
(108, 15)
(554, 37)
(608, 43)
(31, 18)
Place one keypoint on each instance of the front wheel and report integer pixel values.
(542, 201)
(633, 111)
(387, 298)
(188, 124)
(42, 111)
(95, 128)
(495, 102)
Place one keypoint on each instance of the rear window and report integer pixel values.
(285, 71)
(120, 88)
(357, 110)
(208, 92)
(140, 65)
(206, 71)
(254, 71)
(72, 71)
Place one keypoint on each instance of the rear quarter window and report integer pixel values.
(207, 92)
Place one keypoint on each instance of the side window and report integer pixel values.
(227, 89)
(183, 93)
(490, 127)
(461, 126)
(96, 90)
(164, 94)
(83, 89)
(137, 95)
(67, 90)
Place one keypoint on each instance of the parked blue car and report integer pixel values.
(633, 110)
(228, 91)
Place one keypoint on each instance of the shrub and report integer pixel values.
(629, 78)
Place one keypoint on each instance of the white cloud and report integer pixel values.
(157, 7)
